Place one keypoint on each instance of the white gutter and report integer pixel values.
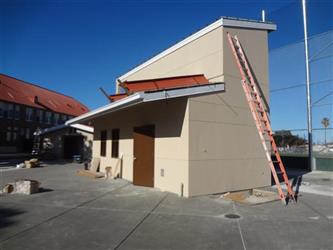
(224, 21)
(126, 102)
(149, 96)
(83, 127)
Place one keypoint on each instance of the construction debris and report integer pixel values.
(93, 171)
(22, 187)
(26, 187)
(32, 163)
(252, 197)
(9, 188)
(21, 165)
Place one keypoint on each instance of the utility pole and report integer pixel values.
(308, 89)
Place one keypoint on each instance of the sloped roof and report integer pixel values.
(148, 96)
(18, 91)
(81, 127)
(228, 22)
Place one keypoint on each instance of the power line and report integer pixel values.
(300, 129)
(300, 85)
(320, 58)
(324, 104)
(313, 57)
(322, 98)
(298, 42)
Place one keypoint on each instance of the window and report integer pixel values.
(48, 116)
(15, 133)
(10, 113)
(64, 118)
(8, 136)
(56, 119)
(115, 143)
(27, 133)
(103, 143)
(17, 112)
(28, 114)
(39, 115)
(2, 109)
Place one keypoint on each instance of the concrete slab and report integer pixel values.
(78, 229)
(81, 213)
(276, 210)
(16, 218)
(162, 231)
(131, 198)
(284, 234)
(213, 206)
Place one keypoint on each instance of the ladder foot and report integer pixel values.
(290, 198)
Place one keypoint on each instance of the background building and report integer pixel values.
(25, 107)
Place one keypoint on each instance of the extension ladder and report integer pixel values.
(260, 116)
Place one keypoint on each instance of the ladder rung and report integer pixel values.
(267, 131)
(262, 121)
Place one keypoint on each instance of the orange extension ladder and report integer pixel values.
(260, 116)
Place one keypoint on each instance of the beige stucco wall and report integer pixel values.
(171, 141)
(203, 55)
(208, 143)
(224, 147)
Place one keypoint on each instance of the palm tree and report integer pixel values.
(326, 122)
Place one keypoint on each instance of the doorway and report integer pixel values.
(144, 147)
(72, 145)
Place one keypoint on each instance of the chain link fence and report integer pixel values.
(288, 83)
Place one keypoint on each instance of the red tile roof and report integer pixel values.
(164, 83)
(17, 91)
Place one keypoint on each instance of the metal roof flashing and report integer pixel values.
(221, 22)
(247, 24)
(148, 96)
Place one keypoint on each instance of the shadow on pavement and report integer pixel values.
(6, 216)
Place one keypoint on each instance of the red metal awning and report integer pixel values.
(164, 83)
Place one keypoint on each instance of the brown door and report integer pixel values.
(143, 166)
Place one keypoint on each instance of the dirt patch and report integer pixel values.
(252, 197)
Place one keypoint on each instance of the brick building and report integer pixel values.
(25, 107)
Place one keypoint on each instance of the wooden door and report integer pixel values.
(143, 166)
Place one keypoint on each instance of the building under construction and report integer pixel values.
(181, 122)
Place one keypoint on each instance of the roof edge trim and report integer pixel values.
(131, 100)
(141, 97)
(173, 48)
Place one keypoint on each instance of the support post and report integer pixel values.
(308, 89)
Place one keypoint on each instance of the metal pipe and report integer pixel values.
(308, 90)
(263, 16)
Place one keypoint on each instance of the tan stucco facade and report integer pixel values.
(204, 55)
(205, 144)
(225, 151)
(171, 141)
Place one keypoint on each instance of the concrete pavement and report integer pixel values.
(75, 212)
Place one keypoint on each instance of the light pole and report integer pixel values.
(308, 90)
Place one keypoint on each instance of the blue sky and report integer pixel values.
(75, 47)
